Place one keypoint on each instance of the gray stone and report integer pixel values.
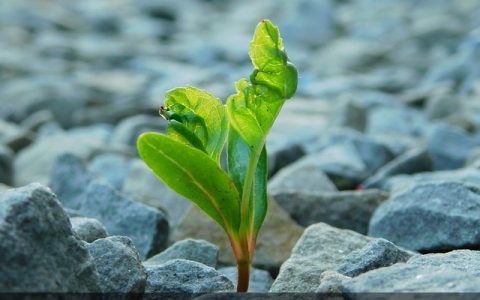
(111, 166)
(320, 248)
(48, 149)
(331, 282)
(88, 229)
(58, 94)
(300, 16)
(300, 176)
(399, 182)
(40, 252)
(37, 119)
(260, 280)
(342, 164)
(395, 120)
(430, 217)
(68, 179)
(376, 254)
(349, 210)
(195, 250)
(413, 161)
(148, 189)
(128, 130)
(146, 226)
(6, 165)
(4, 187)
(373, 154)
(460, 260)
(118, 264)
(13, 136)
(184, 276)
(410, 278)
(351, 114)
(450, 146)
(280, 154)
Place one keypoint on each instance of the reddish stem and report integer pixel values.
(243, 274)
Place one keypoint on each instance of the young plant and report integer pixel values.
(187, 157)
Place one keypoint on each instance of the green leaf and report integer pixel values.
(272, 68)
(255, 106)
(203, 119)
(239, 156)
(194, 175)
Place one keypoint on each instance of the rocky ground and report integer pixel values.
(375, 164)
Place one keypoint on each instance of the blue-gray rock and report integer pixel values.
(350, 114)
(111, 166)
(142, 184)
(121, 215)
(413, 161)
(300, 176)
(373, 154)
(395, 120)
(186, 277)
(118, 264)
(331, 283)
(14, 136)
(68, 179)
(281, 153)
(195, 250)
(60, 95)
(88, 229)
(450, 146)
(260, 280)
(430, 217)
(128, 130)
(349, 209)
(376, 254)
(321, 248)
(39, 169)
(404, 277)
(461, 260)
(301, 16)
(6, 165)
(40, 252)
(399, 182)
(341, 163)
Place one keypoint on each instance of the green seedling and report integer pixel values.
(187, 157)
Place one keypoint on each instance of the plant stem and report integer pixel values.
(243, 275)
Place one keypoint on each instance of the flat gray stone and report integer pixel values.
(40, 252)
(376, 254)
(195, 250)
(48, 149)
(142, 184)
(300, 176)
(68, 179)
(113, 167)
(88, 229)
(6, 165)
(430, 217)
(121, 215)
(462, 260)
(320, 248)
(403, 277)
(400, 182)
(450, 146)
(413, 161)
(184, 276)
(348, 210)
(118, 264)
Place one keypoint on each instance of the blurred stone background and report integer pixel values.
(387, 89)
